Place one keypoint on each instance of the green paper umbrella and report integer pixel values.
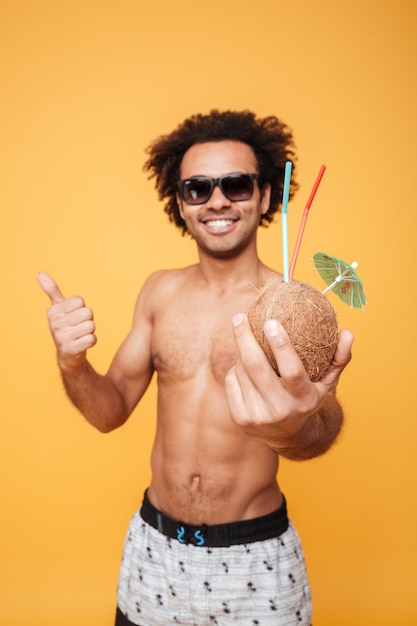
(341, 278)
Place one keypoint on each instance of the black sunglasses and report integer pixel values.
(198, 189)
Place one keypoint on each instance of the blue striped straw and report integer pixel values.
(285, 196)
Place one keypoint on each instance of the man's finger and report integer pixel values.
(234, 394)
(343, 353)
(341, 358)
(291, 369)
(50, 287)
(254, 360)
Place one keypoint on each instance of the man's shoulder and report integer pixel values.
(165, 278)
(164, 284)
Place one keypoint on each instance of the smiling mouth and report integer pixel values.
(219, 224)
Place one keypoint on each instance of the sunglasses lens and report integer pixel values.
(237, 187)
(196, 190)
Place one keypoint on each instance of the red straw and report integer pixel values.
(304, 220)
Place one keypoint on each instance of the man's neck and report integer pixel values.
(232, 272)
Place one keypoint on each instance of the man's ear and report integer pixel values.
(265, 198)
(179, 202)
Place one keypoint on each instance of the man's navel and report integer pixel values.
(195, 481)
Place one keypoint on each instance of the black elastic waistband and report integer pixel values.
(218, 535)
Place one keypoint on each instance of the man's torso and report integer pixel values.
(204, 469)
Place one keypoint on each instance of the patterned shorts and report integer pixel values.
(183, 579)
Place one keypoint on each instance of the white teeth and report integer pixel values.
(219, 223)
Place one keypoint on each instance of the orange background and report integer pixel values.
(85, 87)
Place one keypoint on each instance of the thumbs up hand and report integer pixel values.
(71, 324)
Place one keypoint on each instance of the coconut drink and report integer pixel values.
(307, 316)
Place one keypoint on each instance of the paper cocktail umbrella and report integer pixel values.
(341, 278)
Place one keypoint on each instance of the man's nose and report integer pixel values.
(217, 199)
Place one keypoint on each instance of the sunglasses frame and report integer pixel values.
(216, 182)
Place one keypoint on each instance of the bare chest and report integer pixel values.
(192, 339)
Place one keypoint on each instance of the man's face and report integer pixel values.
(222, 227)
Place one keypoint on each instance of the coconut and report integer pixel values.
(307, 316)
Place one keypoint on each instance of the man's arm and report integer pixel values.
(105, 401)
(297, 418)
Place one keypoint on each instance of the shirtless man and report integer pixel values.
(212, 543)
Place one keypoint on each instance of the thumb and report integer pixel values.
(50, 287)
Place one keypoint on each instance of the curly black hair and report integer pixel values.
(270, 139)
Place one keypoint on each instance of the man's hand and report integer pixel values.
(274, 408)
(71, 324)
